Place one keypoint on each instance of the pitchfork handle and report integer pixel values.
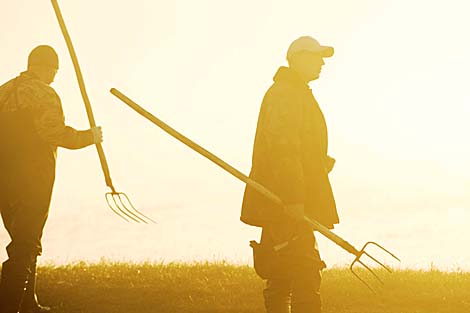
(332, 236)
(81, 84)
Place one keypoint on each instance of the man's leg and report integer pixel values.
(306, 279)
(24, 222)
(306, 292)
(15, 270)
(277, 296)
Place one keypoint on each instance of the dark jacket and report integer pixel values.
(289, 155)
(32, 126)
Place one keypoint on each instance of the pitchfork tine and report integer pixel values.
(351, 268)
(122, 210)
(118, 201)
(371, 271)
(112, 196)
(378, 262)
(114, 210)
(359, 254)
(376, 244)
(135, 210)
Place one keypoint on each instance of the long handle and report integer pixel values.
(227, 167)
(81, 84)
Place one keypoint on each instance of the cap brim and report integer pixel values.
(326, 51)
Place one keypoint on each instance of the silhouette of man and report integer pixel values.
(290, 158)
(31, 128)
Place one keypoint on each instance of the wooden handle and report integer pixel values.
(81, 84)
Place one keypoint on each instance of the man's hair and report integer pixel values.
(43, 56)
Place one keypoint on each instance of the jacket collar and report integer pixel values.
(28, 75)
(288, 75)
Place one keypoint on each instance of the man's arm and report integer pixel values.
(50, 122)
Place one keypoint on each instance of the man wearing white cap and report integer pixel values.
(290, 158)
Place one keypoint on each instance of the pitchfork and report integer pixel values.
(118, 202)
(360, 254)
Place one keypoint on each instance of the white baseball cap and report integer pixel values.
(307, 43)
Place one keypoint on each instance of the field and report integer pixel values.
(219, 287)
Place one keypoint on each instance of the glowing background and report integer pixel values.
(394, 95)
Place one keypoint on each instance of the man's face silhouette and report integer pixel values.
(308, 65)
(44, 73)
(49, 75)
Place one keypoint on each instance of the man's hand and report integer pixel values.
(97, 135)
(295, 211)
(330, 163)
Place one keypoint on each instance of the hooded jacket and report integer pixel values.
(290, 155)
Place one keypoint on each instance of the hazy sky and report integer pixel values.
(395, 96)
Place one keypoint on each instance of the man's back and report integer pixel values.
(19, 139)
(27, 162)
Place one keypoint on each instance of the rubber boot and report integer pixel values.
(12, 286)
(30, 301)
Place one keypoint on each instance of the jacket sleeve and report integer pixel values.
(49, 119)
(282, 131)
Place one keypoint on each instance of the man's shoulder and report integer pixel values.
(36, 91)
(37, 88)
(7, 87)
(280, 89)
(280, 92)
(5, 95)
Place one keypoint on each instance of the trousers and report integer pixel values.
(24, 218)
(293, 284)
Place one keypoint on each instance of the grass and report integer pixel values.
(219, 287)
